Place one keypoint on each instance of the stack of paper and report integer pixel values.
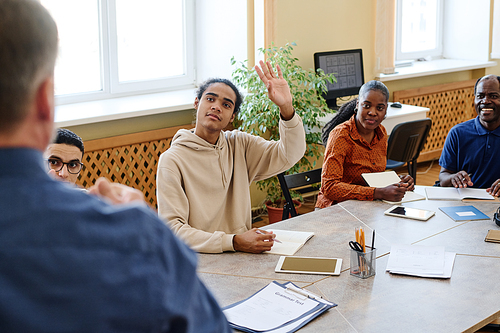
(291, 241)
(422, 261)
(276, 308)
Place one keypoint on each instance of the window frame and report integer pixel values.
(436, 53)
(111, 87)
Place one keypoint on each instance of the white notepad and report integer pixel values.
(291, 241)
(452, 193)
(421, 261)
(386, 178)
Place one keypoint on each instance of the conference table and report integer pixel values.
(385, 302)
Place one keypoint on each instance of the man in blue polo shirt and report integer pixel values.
(70, 262)
(471, 153)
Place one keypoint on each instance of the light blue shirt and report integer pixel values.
(72, 263)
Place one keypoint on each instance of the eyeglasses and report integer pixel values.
(73, 167)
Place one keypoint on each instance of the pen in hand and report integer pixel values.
(262, 233)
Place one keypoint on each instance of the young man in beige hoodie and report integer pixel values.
(204, 177)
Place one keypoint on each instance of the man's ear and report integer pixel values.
(232, 117)
(44, 100)
(196, 102)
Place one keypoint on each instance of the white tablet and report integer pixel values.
(410, 213)
(309, 265)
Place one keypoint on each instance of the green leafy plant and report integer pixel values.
(259, 116)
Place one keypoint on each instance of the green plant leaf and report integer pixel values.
(259, 116)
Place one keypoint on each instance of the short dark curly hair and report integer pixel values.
(486, 77)
(207, 83)
(65, 136)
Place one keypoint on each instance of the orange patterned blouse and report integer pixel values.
(347, 156)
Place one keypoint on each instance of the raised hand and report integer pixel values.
(277, 88)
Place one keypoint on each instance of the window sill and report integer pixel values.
(121, 108)
(440, 66)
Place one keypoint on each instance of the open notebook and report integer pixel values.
(291, 241)
(452, 193)
(383, 179)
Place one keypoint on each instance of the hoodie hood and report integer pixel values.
(187, 138)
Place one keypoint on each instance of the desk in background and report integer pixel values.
(385, 302)
(394, 116)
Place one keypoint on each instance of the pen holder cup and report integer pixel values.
(363, 263)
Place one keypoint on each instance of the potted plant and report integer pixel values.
(259, 116)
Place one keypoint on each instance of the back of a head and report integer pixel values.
(65, 136)
(28, 50)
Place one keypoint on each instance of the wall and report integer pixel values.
(329, 25)
(315, 25)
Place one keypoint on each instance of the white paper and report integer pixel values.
(271, 307)
(293, 325)
(386, 178)
(451, 193)
(416, 259)
(468, 213)
(381, 179)
(409, 196)
(449, 260)
(291, 241)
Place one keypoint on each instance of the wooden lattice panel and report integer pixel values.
(129, 159)
(449, 104)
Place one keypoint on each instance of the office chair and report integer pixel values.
(301, 181)
(405, 143)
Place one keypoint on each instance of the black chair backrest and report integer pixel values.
(297, 180)
(407, 140)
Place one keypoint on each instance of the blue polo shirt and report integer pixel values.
(72, 263)
(472, 148)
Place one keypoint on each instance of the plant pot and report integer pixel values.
(276, 214)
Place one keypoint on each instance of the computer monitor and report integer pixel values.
(347, 67)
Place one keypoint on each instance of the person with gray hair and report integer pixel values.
(71, 262)
(358, 144)
(471, 152)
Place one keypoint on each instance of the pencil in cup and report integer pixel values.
(363, 263)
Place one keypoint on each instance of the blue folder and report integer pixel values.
(464, 213)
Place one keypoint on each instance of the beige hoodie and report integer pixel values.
(203, 189)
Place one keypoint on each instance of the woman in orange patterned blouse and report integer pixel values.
(356, 146)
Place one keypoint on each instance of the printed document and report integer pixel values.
(270, 308)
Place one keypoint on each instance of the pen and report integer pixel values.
(303, 293)
(373, 239)
(261, 233)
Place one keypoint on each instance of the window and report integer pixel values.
(419, 29)
(111, 48)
